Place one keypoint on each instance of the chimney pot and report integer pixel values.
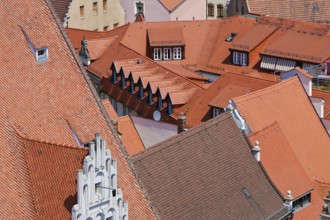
(182, 123)
(256, 151)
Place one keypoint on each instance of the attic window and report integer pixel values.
(42, 54)
(315, 6)
(301, 201)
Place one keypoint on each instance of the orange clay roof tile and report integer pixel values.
(53, 93)
(129, 136)
(312, 10)
(287, 104)
(198, 109)
(110, 110)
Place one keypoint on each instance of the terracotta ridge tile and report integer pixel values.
(44, 141)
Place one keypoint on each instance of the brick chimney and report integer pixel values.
(182, 123)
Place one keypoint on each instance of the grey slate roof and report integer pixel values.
(61, 7)
(207, 172)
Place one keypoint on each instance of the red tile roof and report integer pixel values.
(299, 49)
(287, 104)
(217, 176)
(284, 168)
(110, 110)
(53, 93)
(312, 10)
(218, 94)
(129, 136)
(165, 36)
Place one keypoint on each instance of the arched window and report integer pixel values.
(210, 10)
(220, 11)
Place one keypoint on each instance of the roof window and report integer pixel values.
(42, 54)
(231, 37)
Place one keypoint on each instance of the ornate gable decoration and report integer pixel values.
(98, 196)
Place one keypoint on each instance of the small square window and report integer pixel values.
(115, 25)
(42, 54)
(94, 8)
(105, 6)
(105, 28)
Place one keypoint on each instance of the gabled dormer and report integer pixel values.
(150, 99)
(165, 44)
(241, 48)
(40, 53)
(169, 107)
(159, 99)
(98, 195)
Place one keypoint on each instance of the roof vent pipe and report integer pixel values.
(256, 151)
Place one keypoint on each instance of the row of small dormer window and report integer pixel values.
(167, 53)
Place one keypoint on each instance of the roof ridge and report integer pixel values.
(248, 76)
(282, 84)
(44, 141)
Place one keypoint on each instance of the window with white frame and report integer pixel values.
(167, 53)
(177, 53)
(236, 57)
(243, 59)
(157, 53)
(240, 58)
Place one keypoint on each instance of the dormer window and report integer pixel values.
(42, 54)
(240, 58)
(177, 53)
(167, 53)
(166, 43)
(157, 53)
(217, 111)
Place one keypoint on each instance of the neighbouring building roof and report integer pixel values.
(207, 172)
(61, 8)
(284, 168)
(311, 10)
(218, 94)
(288, 104)
(53, 101)
(299, 49)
